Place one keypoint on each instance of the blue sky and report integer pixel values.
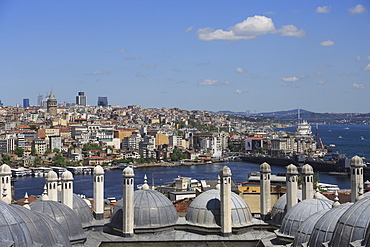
(208, 55)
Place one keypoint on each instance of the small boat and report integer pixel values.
(332, 145)
(346, 128)
(362, 138)
(340, 137)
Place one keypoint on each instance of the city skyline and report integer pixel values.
(260, 56)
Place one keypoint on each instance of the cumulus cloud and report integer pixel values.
(325, 66)
(359, 9)
(122, 50)
(148, 65)
(358, 58)
(367, 67)
(323, 9)
(100, 72)
(291, 79)
(240, 70)
(239, 91)
(209, 82)
(189, 29)
(358, 86)
(327, 43)
(291, 30)
(322, 82)
(250, 28)
(312, 75)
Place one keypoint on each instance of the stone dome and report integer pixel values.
(151, 210)
(13, 229)
(44, 230)
(67, 175)
(357, 161)
(52, 175)
(82, 210)
(265, 167)
(366, 241)
(324, 227)
(353, 224)
(205, 210)
(292, 169)
(128, 172)
(304, 231)
(64, 215)
(98, 170)
(300, 212)
(225, 171)
(5, 170)
(307, 169)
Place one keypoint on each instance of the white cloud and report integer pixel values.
(313, 75)
(149, 65)
(141, 75)
(358, 58)
(292, 31)
(358, 86)
(290, 79)
(189, 29)
(270, 13)
(133, 58)
(348, 73)
(209, 82)
(327, 43)
(322, 82)
(100, 72)
(250, 28)
(367, 67)
(325, 66)
(289, 85)
(240, 70)
(239, 91)
(357, 9)
(122, 50)
(368, 58)
(323, 9)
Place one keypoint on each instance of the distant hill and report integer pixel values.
(282, 113)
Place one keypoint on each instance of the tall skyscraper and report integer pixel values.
(26, 103)
(81, 99)
(39, 100)
(1, 103)
(52, 104)
(103, 101)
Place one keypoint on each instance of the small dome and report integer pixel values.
(225, 171)
(367, 194)
(5, 170)
(13, 229)
(64, 215)
(98, 170)
(357, 161)
(205, 210)
(279, 209)
(305, 230)
(307, 169)
(44, 230)
(366, 241)
(324, 227)
(67, 175)
(291, 170)
(265, 167)
(151, 210)
(128, 172)
(300, 212)
(52, 176)
(83, 211)
(353, 224)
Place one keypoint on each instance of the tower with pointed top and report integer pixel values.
(225, 195)
(5, 180)
(357, 178)
(52, 185)
(291, 186)
(265, 195)
(128, 202)
(99, 192)
(52, 104)
(307, 182)
(67, 189)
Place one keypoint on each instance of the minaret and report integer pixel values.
(99, 193)
(67, 189)
(265, 193)
(128, 202)
(26, 202)
(52, 185)
(357, 178)
(52, 104)
(5, 180)
(44, 196)
(307, 182)
(225, 195)
(291, 186)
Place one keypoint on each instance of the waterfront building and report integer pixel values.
(103, 101)
(81, 99)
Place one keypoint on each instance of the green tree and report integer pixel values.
(33, 127)
(48, 151)
(56, 150)
(177, 154)
(6, 159)
(33, 151)
(59, 160)
(37, 161)
(92, 146)
(18, 151)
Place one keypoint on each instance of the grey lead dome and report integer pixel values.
(205, 210)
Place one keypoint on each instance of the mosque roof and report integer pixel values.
(324, 227)
(82, 210)
(353, 223)
(13, 229)
(64, 215)
(205, 210)
(43, 229)
(300, 212)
